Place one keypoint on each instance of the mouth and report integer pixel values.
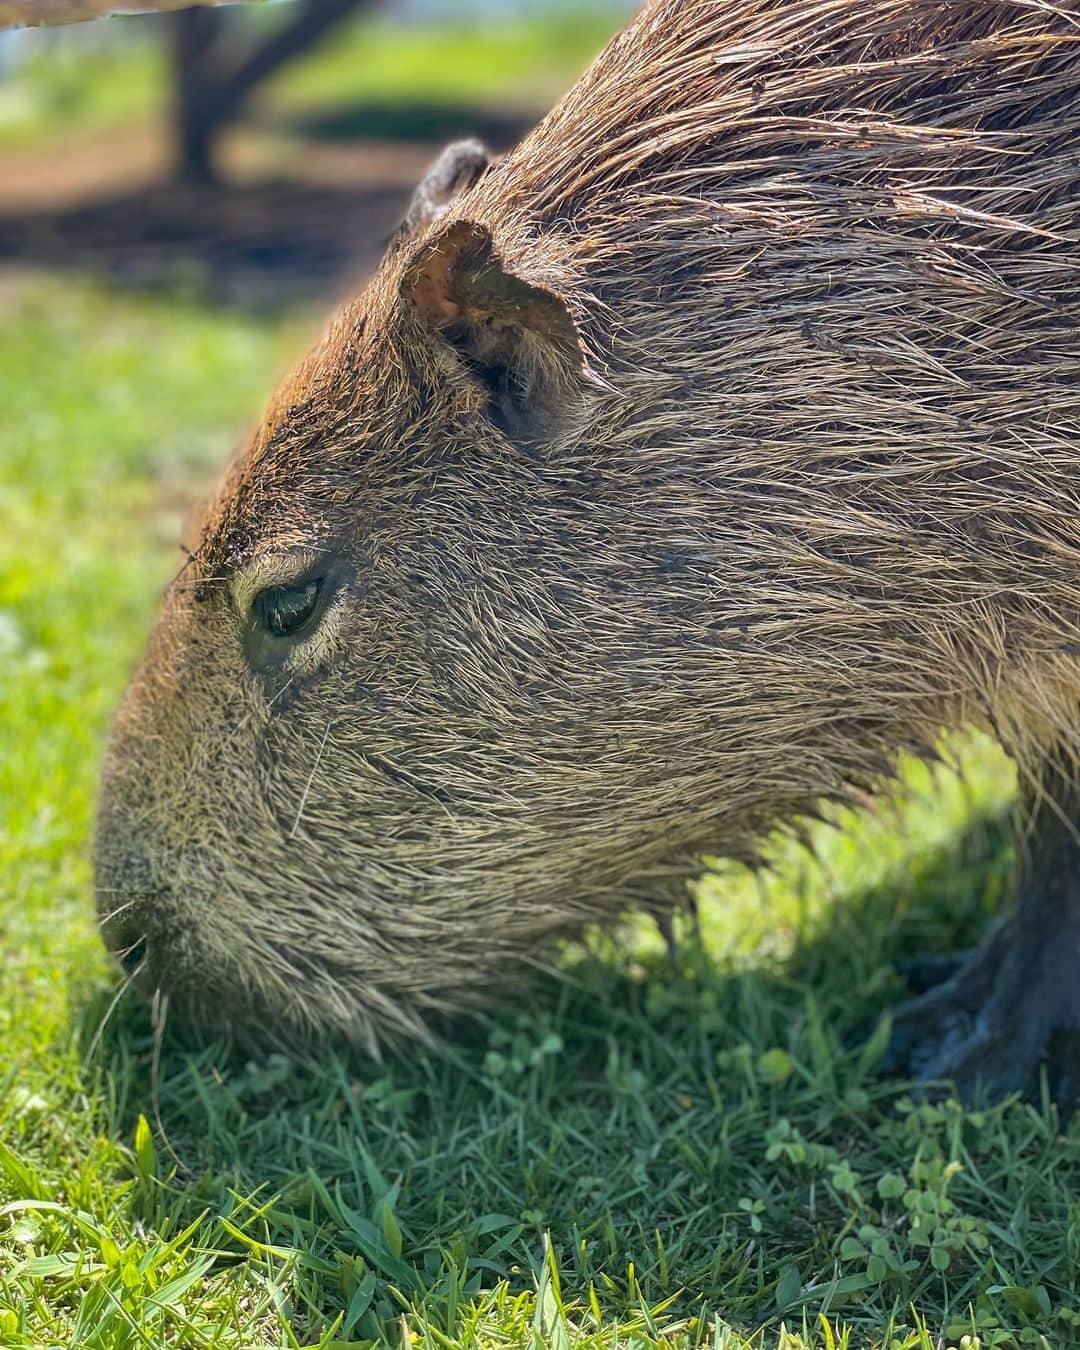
(162, 977)
(127, 932)
(131, 949)
(162, 964)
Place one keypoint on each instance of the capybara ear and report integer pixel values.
(516, 338)
(458, 166)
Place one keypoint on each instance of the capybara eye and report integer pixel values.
(283, 610)
(281, 619)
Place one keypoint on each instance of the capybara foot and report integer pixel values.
(1012, 1004)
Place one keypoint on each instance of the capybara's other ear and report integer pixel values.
(458, 166)
(516, 338)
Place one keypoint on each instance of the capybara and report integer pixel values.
(673, 475)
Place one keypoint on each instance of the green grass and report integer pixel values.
(520, 60)
(635, 1154)
(90, 90)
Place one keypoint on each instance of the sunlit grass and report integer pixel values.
(519, 60)
(640, 1153)
(76, 89)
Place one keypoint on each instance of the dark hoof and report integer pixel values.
(1063, 1060)
(987, 1026)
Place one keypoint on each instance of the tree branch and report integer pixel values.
(251, 67)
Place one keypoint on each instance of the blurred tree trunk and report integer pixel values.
(214, 72)
(195, 34)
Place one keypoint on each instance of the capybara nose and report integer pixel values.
(127, 902)
(132, 955)
(127, 938)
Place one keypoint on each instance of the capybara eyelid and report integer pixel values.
(291, 568)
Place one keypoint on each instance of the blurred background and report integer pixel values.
(259, 153)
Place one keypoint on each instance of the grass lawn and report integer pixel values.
(635, 1154)
(640, 1152)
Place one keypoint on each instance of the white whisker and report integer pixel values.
(125, 985)
(311, 779)
(159, 1012)
(115, 913)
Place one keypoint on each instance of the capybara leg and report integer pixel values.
(1015, 1001)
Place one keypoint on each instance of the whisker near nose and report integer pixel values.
(103, 919)
(129, 979)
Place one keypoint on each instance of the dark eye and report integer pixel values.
(282, 617)
(283, 610)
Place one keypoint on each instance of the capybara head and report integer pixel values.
(667, 479)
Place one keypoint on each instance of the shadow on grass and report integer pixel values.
(415, 120)
(637, 1110)
(252, 247)
(312, 234)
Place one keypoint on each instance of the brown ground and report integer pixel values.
(296, 217)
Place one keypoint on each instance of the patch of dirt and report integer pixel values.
(293, 218)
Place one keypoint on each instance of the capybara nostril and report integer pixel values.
(131, 957)
(126, 938)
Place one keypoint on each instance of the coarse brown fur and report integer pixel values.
(792, 485)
